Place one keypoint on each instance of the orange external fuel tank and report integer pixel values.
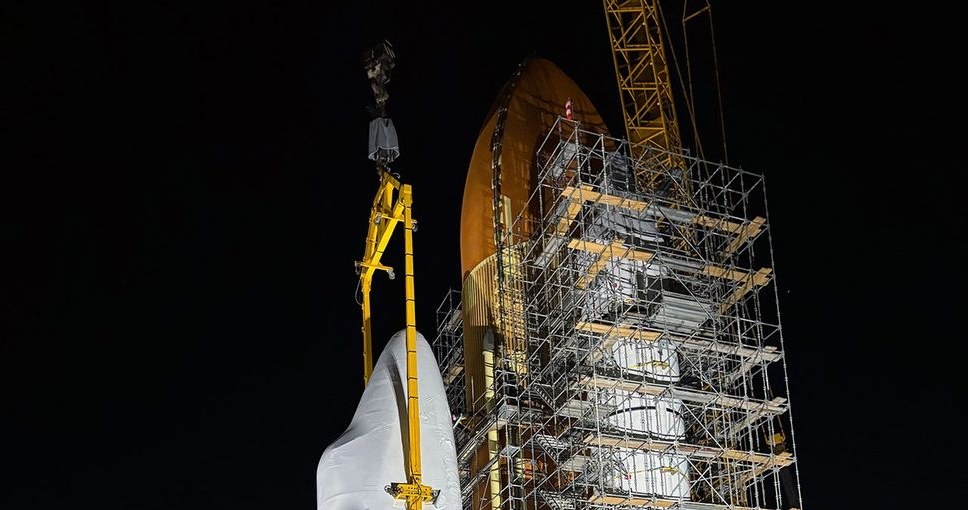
(503, 163)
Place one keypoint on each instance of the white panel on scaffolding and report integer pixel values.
(622, 278)
(619, 179)
(634, 228)
(664, 475)
(659, 417)
(621, 282)
(632, 276)
(672, 307)
(654, 360)
(680, 314)
(562, 159)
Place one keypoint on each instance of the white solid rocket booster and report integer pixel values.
(355, 470)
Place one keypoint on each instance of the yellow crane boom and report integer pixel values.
(385, 214)
(642, 72)
(393, 205)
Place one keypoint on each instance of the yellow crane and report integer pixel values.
(642, 71)
(391, 206)
(635, 30)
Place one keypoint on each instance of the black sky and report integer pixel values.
(185, 190)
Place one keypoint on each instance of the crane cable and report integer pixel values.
(719, 86)
(687, 90)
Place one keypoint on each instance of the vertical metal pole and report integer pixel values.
(366, 278)
(367, 330)
(377, 235)
(413, 401)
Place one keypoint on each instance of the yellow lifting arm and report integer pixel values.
(384, 216)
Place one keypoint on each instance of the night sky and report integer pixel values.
(185, 189)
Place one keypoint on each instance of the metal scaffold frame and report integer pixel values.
(653, 371)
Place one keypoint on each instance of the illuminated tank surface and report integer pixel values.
(521, 116)
(534, 100)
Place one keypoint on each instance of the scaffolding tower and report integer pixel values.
(638, 361)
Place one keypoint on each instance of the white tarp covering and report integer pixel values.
(656, 360)
(383, 144)
(656, 416)
(355, 470)
(655, 473)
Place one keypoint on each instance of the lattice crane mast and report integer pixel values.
(642, 72)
